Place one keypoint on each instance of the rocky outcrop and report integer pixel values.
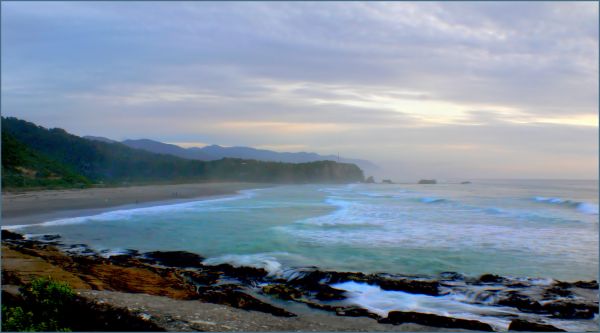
(586, 284)
(427, 181)
(231, 294)
(491, 278)
(179, 259)
(9, 235)
(564, 309)
(527, 326)
(282, 291)
(182, 275)
(400, 317)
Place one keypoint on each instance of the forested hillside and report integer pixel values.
(103, 162)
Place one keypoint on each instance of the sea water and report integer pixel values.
(521, 228)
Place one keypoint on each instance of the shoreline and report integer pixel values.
(184, 277)
(33, 207)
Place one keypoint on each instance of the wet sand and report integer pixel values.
(29, 207)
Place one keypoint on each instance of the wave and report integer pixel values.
(126, 214)
(381, 302)
(266, 261)
(349, 213)
(432, 200)
(582, 207)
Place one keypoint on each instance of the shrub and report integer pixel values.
(45, 307)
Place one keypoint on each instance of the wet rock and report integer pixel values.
(527, 326)
(356, 312)
(491, 278)
(244, 273)
(587, 284)
(557, 292)
(521, 302)
(570, 310)
(181, 259)
(324, 307)
(317, 277)
(282, 291)
(9, 235)
(202, 278)
(399, 317)
(327, 293)
(411, 286)
(48, 238)
(80, 250)
(230, 294)
(451, 276)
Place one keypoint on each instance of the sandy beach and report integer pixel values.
(29, 207)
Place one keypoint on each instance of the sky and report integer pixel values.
(423, 89)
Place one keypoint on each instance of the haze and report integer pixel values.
(425, 90)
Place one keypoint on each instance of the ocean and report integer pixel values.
(520, 228)
(542, 230)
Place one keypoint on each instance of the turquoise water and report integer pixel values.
(545, 229)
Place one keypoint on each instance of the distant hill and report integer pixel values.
(109, 162)
(165, 148)
(215, 152)
(99, 138)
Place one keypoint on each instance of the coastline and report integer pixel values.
(32, 207)
(230, 297)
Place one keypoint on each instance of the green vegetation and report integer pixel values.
(45, 307)
(115, 163)
(24, 167)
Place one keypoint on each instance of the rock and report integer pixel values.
(491, 278)
(466, 182)
(411, 286)
(9, 235)
(201, 278)
(399, 317)
(179, 259)
(356, 312)
(524, 325)
(327, 293)
(583, 284)
(451, 276)
(557, 291)
(230, 294)
(324, 307)
(427, 181)
(521, 302)
(48, 238)
(370, 180)
(387, 181)
(244, 273)
(282, 291)
(570, 310)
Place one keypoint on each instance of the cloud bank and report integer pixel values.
(446, 90)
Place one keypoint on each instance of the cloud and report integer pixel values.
(486, 82)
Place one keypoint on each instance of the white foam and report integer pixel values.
(266, 261)
(432, 200)
(349, 214)
(582, 207)
(381, 302)
(587, 208)
(125, 214)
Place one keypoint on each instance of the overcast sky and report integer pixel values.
(437, 90)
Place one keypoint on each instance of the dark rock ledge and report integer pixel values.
(182, 275)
